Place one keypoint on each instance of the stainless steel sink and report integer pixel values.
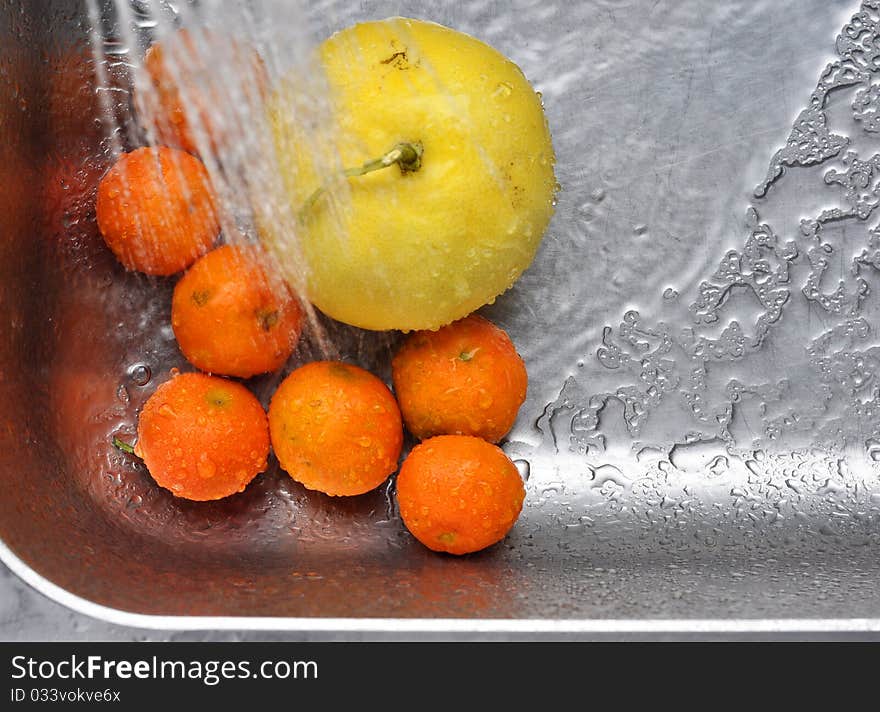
(702, 431)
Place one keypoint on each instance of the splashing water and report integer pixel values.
(200, 77)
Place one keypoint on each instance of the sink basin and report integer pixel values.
(702, 430)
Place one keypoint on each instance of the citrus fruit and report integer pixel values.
(459, 494)
(156, 210)
(335, 428)
(231, 317)
(189, 75)
(203, 437)
(465, 378)
(449, 181)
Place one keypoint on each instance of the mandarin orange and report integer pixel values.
(232, 317)
(203, 437)
(192, 72)
(157, 211)
(459, 494)
(465, 378)
(335, 428)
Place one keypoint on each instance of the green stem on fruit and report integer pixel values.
(124, 446)
(407, 156)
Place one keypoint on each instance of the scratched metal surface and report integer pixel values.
(702, 427)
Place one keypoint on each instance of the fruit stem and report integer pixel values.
(124, 446)
(408, 156)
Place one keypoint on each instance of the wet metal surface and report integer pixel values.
(702, 430)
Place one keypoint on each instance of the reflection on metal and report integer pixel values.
(702, 433)
(772, 371)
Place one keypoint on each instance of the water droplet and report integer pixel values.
(502, 91)
(140, 374)
(830, 487)
(649, 452)
(523, 468)
(718, 466)
(122, 393)
(607, 474)
(205, 467)
(697, 456)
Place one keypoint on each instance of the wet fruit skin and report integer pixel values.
(421, 249)
(157, 211)
(459, 494)
(232, 317)
(465, 378)
(335, 428)
(203, 437)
